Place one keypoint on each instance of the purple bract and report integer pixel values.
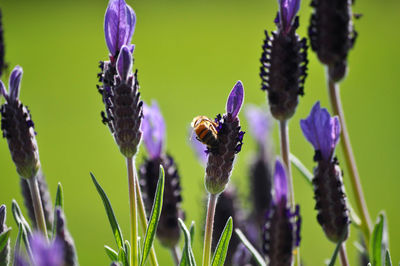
(287, 12)
(322, 131)
(119, 25)
(235, 99)
(153, 127)
(260, 123)
(124, 63)
(280, 183)
(14, 85)
(44, 253)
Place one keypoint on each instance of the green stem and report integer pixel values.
(334, 95)
(37, 205)
(143, 219)
(212, 203)
(133, 212)
(343, 255)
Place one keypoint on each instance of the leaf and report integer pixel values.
(110, 213)
(388, 260)
(58, 203)
(379, 241)
(187, 258)
(154, 217)
(337, 249)
(259, 259)
(122, 257)
(112, 254)
(127, 252)
(223, 244)
(192, 232)
(19, 218)
(4, 236)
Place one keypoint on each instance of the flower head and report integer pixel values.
(153, 127)
(119, 25)
(322, 131)
(235, 99)
(260, 123)
(44, 253)
(287, 12)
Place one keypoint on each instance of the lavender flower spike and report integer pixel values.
(153, 127)
(119, 25)
(287, 12)
(260, 123)
(322, 131)
(45, 254)
(235, 99)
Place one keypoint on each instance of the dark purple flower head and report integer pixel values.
(260, 123)
(322, 131)
(124, 63)
(235, 99)
(119, 25)
(280, 183)
(14, 85)
(44, 253)
(153, 127)
(287, 12)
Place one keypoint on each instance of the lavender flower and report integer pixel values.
(153, 128)
(5, 251)
(260, 125)
(119, 25)
(63, 236)
(323, 132)
(284, 62)
(18, 128)
(332, 34)
(282, 228)
(229, 143)
(199, 148)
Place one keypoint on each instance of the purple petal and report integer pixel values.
(15, 81)
(198, 147)
(3, 90)
(44, 253)
(280, 182)
(124, 63)
(287, 12)
(235, 99)
(119, 25)
(153, 127)
(321, 130)
(260, 123)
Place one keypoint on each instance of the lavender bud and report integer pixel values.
(18, 128)
(284, 62)
(332, 34)
(168, 231)
(63, 236)
(229, 143)
(44, 196)
(5, 252)
(227, 206)
(2, 63)
(282, 227)
(323, 132)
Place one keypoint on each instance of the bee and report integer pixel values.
(206, 130)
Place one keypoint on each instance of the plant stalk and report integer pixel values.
(134, 258)
(176, 254)
(143, 219)
(212, 203)
(334, 95)
(37, 205)
(343, 255)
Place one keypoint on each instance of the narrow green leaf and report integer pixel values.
(58, 203)
(388, 260)
(192, 232)
(378, 241)
(127, 252)
(302, 168)
(110, 213)
(18, 240)
(122, 257)
(223, 244)
(112, 254)
(4, 238)
(259, 259)
(187, 255)
(154, 217)
(19, 217)
(337, 249)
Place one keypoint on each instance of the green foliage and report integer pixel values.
(4, 238)
(337, 249)
(223, 244)
(187, 255)
(257, 256)
(59, 202)
(154, 217)
(24, 230)
(388, 260)
(112, 254)
(379, 241)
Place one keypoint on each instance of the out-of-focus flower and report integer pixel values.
(199, 148)
(153, 127)
(282, 228)
(63, 236)
(260, 124)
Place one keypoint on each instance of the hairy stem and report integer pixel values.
(176, 254)
(133, 212)
(343, 255)
(143, 219)
(334, 95)
(212, 203)
(37, 205)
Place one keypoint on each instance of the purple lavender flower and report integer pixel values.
(229, 143)
(44, 253)
(153, 127)
(199, 148)
(282, 228)
(322, 131)
(18, 128)
(64, 237)
(119, 25)
(287, 12)
(260, 124)
(284, 62)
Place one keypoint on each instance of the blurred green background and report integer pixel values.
(190, 54)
